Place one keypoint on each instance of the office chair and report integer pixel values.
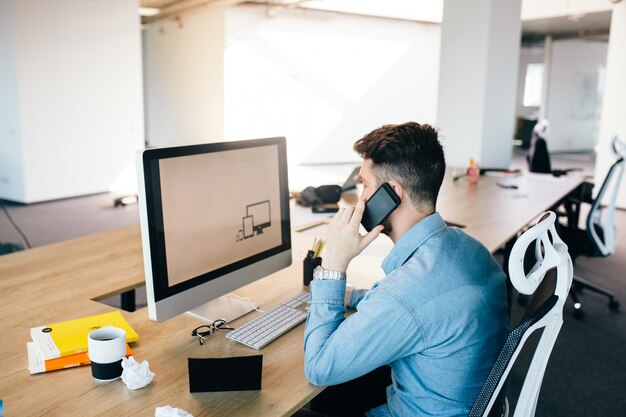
(549, 281)
(598, 237)
(538, 157)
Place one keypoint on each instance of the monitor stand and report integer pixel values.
(227, 307)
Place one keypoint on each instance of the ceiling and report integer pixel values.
(170, 8)
(587, 25)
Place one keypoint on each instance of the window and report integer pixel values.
(533, 85)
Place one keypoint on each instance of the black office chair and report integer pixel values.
(538, 157)
(598, 238)
(549, 281)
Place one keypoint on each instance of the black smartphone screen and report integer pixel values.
(380, 205)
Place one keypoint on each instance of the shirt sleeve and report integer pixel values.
(355, 297)
(337, 350)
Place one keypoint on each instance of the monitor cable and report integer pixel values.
(4, 208)
(247, 300)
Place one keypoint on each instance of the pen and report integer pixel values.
(320, 247)
(511, 186)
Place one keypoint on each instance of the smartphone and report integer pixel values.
(380, 205)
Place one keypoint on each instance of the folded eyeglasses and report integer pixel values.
(204, 331)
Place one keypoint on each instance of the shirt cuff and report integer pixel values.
(331, 291)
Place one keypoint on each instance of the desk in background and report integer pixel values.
(491, 214)
(60, 282)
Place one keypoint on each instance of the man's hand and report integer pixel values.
(344, 242)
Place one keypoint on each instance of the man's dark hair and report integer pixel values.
(410, 154)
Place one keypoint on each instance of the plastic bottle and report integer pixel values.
(473, 172)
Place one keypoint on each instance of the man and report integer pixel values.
(438, 318)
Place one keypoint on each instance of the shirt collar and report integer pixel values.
(411, 240)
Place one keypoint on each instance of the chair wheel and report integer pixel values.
(613, 305)
(579, 314)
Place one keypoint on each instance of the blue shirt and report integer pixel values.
(438, 319)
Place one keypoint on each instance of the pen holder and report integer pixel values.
(308, 265)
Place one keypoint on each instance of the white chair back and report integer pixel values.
(554, 256)
(601, 220)
(549, 281)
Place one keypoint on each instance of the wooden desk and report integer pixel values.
(57, 282)
(60, 281)
(492, 214)
(488, 212)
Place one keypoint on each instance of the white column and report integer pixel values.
(74, 97)
(613, 120)
(184, 78)
(480, 46)
(547, 68)
(11, 164)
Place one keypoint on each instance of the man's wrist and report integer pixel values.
(320, 273)
(333, 265)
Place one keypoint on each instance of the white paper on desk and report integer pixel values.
(136, 375)
(168, 411)
(503, 174)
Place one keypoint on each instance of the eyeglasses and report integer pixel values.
(203, 332)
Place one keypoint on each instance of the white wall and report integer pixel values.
(77, 95)
(528, 55)
(613, 121)
(574, 106)
(11, 166)
(324, 80)
(184, 78)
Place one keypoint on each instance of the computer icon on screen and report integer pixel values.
(214, 218)
(260, 214)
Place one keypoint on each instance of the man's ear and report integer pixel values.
(397, 188)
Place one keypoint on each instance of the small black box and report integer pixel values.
(241, 373)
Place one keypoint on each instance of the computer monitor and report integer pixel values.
(206, 223)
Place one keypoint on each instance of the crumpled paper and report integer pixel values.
(168, 411)
(136, 375)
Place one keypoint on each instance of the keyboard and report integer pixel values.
(264, 329)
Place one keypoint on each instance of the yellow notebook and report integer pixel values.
(70, 337)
